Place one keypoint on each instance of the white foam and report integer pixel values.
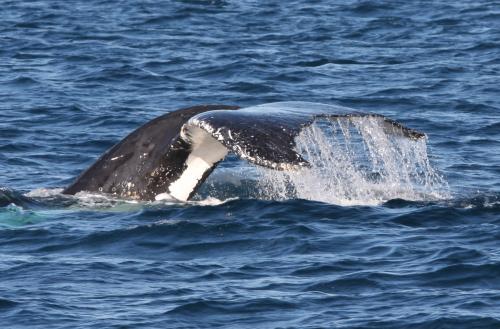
(355, 162)
(96, 200)
(43, 192)
(164, 197)
(211, 201)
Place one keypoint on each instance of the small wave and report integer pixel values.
(483, 200)
(12, 197)
(249, 88)
(343, 285)
(324, 61)
(7, 303)
(14, 215)
(24, 81)
(244, 307)
(491, 129)
(368, 7)
(464, 321)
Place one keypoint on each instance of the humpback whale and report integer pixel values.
(172, 155)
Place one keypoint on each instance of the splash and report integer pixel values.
(44, 192)
(356, 161)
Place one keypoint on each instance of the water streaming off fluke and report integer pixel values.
(356, 161)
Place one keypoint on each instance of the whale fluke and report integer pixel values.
(171, 156)
(265, 134)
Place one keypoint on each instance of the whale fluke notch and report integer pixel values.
(171, 156)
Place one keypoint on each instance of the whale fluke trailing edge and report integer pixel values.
(172, 155)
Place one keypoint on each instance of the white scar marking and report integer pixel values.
(206, 151)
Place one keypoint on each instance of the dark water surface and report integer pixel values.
(77, 76)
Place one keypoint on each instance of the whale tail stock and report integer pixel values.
(128, 168)
(171, 156)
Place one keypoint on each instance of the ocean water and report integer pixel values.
(413, 246)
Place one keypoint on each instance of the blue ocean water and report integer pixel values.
(77, 76)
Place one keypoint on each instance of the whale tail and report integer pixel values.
(171, 156)
(131, 167)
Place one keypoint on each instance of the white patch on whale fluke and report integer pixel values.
(206, 151)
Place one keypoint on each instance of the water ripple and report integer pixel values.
(76, 77)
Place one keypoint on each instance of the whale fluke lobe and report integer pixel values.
(172, 155)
